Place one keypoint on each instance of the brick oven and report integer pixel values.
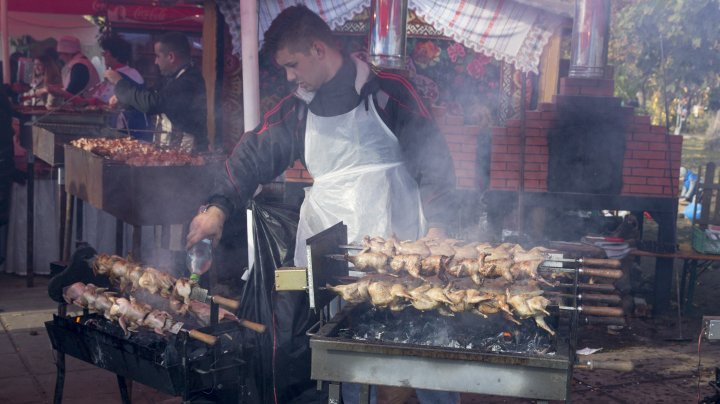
(648, 161)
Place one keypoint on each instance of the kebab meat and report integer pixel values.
(461, 295)
(436, 257)
(129, 313)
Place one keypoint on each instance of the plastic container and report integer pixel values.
(199, 258)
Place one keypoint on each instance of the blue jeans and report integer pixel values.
(351, 395)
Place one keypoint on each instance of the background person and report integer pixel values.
(181, 101)
(78, 73)
(46, 72)
(117, 53)
(378, 162)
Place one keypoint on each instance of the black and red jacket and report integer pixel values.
(266, 152)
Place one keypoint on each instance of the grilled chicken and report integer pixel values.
(349, 292)
(421, 301)
(407, 263)
(408, 247)
(434, 265)
(380, 293)
(531, 305)
(379, 245)
(370, 261)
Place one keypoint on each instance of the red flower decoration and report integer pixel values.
(456, 51)
(426, 54)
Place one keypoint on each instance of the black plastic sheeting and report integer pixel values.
(281, 362)
(79, 270)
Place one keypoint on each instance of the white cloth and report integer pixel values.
(107, 89)
(359, 179)
(506, 30)
(98, 231)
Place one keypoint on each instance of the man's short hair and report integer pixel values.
(296, 28)
(118, 47)
(177, 43)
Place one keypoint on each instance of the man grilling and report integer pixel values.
(181, 102)
(377, 159)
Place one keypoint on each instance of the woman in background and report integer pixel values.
(45, 72)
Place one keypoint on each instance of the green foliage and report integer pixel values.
(670, 46)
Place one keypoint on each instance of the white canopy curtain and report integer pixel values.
(506, 30)
(42, 26)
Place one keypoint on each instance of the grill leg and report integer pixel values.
(59, 377)
(125, 387)
(334, 393)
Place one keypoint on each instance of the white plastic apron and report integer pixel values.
(359, 179)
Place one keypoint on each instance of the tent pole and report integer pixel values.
(5, 41)
(250, 64)
(251, 88)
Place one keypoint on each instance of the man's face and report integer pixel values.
(306, 69)
(110, 60)
(164, 60)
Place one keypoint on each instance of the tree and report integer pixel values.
(665, 49)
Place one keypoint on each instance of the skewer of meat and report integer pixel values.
(130, 314)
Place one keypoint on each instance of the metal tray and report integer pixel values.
(138, 195)
(335, 359)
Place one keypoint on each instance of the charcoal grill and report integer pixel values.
(338, 358)
(175, 365)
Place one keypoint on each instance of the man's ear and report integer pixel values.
(319, 49)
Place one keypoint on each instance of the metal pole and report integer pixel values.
(250, 64)
(5, 30)
(251, 85)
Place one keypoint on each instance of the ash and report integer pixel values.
(464, 331)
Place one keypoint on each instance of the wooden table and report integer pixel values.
(692, 260)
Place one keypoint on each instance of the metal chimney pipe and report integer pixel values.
(388, 31)
(591, 31)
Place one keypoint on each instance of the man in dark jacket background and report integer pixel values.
(182, 99)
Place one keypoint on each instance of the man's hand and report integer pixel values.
(112, 76)
(207, 224)
(113, 101)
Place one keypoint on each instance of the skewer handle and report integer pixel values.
(620, 366)
(601, 262)
(602, 311)
(596, 297)
(201, 336)
(224, 301)
(599, 297)
(257, 327)
(602, 273)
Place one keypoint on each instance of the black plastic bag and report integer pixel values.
(281, 356)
